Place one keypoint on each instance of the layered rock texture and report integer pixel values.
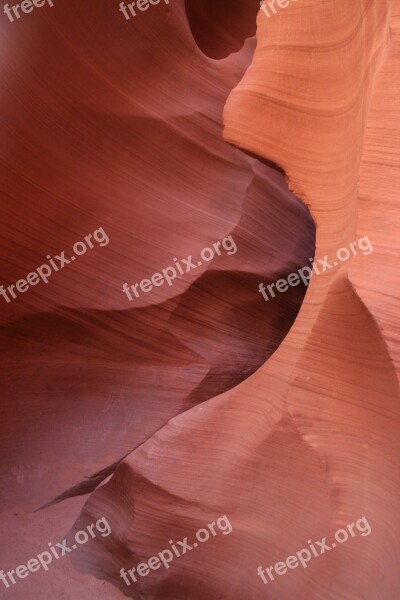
(188, 123)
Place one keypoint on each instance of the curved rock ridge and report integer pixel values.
(101, 365)
(201, 401)
(89, 145)
(309, 443)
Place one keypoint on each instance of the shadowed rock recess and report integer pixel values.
(191, 122)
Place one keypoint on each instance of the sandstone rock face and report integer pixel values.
(199, 402)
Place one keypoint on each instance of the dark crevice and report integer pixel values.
(220, 27)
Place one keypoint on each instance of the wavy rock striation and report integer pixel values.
(204, 400)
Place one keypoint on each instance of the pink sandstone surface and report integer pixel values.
(201, 399)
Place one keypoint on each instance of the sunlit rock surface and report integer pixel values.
(200, 399)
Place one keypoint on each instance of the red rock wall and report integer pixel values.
(173, 130)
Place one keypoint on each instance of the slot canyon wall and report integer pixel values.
(229, 434)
